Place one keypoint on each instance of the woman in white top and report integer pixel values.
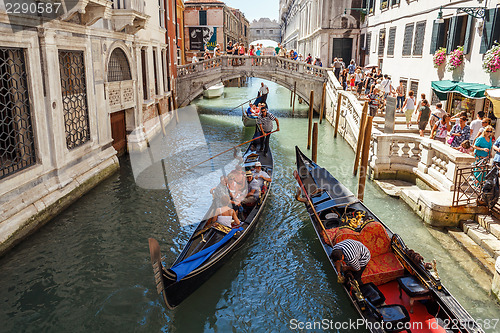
(409, 107)
(225, 215)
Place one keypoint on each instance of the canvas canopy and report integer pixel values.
(470, 90)
(494, 96)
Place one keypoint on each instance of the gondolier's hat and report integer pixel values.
(249, 174)
(258, 164)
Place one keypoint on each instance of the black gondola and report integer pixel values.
(399, 289)
(173, 291)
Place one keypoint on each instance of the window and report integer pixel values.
(17, 148)
(144, 75)
(368, 42)
(118, 66)
(258, 32)
(455, 31)
(418, 44)
(407, 40)
(164, 70)
(491, 29)
(384, 4)
(391, 41)
(155, 71)
(270, 31)
(74, 98)
(362, 41)
(203, 17)
(381, 42)
(414, 87)
(394, 2)
(161, 12)
(371, 6)
(405, 84)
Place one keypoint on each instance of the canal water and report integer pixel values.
(89, 268)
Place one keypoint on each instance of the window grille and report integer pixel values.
(118, 66)
(74, 98)
(368, 42)
(17, 148)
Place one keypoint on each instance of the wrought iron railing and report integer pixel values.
(468, 183)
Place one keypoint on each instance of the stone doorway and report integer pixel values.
(342, 48)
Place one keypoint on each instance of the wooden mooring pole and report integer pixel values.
(337, 115)
(361, 136)
(294, 96)
(364, 159)
(309, 126)
(322, 107)
(315, 143)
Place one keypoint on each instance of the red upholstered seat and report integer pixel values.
(383, 266)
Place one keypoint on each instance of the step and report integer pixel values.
(490, 223)
(476, 252)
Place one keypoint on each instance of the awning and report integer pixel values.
(470, 90)
(494, 96)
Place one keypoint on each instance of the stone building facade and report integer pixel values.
(74, 91)
(264, 28)
(321, 27)
(402, 37)
(211, 22)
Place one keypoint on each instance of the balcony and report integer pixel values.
(87, 12)
(120, 95)
(128, 16)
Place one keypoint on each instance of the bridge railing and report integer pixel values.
(252, 63)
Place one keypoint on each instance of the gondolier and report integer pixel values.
(263, 91)
(265, 125)
(355, 255)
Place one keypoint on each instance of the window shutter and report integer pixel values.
(418, 43)
(468, 34)
(450, 45)
(392, 41)
(488, 30)
(368, 42)
(436, 31)
(408, 39)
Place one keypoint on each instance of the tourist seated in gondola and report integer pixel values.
(220, 190)
(225, 215)
(237, 186)
(253, 111)
(253, 194)
(260, 175)
(350, 256)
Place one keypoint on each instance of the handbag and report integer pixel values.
(450, 140)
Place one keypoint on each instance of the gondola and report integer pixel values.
(248, 121)
(399, 290)
(205, 236)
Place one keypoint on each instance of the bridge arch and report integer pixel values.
(192, 79)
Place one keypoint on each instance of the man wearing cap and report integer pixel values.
(265, 125)
(259, 175)
(253, 190)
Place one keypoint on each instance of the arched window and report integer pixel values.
(118, 67)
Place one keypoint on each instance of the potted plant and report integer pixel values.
(439, 57)
(491, 61)
(456, 58)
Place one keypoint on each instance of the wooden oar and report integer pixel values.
(225, 151)
(243, 103)
(296, 175)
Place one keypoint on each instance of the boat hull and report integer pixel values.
(314, 180)
(173, 291)
(214, 91)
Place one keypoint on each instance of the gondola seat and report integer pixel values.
(413, 288)
(383, 266)
(372, 294)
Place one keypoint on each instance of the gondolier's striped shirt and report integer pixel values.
(266, 122)
(355, 253)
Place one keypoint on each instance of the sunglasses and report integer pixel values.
(489, 131)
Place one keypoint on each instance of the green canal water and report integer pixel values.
(89, 270)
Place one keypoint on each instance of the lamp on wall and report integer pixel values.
(477, 12)
(362, 10)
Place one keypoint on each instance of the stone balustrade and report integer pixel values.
(120, 94)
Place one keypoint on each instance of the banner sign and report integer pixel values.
(199, 37)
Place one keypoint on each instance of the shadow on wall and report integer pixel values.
(495, 79)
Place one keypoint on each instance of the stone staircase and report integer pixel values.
(481, 239)
(399, 125)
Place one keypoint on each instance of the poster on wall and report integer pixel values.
(199, 37)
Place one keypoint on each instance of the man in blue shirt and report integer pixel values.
(496, 148)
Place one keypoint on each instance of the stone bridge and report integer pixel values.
(192, 79)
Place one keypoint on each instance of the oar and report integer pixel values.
(296, 175)
(243, 103)
(225, 151)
